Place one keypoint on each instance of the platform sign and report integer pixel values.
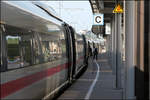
(107, 28)
(118, 9)
(98, 19)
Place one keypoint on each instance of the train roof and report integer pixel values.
(27, 14)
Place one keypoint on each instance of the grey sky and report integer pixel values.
(76, 13)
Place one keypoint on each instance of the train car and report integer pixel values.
(36, 51)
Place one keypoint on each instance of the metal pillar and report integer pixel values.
(129, 48)
(118, 50)
(114, 47)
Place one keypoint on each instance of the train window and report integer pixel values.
(63, 42)
(24, 48)
(51, 47)
(13, 56)
(79, 47)
(38, 56)
(18, 44)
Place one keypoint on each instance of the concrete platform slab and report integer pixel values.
(104, 88)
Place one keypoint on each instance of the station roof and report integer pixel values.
(102, 6)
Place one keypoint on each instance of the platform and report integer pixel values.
(94, 83)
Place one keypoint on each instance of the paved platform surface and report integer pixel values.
(94, 83)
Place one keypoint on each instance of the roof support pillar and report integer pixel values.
(113, 46)
(118, 50)
(129, 48)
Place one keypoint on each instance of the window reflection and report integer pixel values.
(18, 48)
(26, 48)
(51, 47)
(13, 56)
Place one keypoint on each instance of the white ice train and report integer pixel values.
(40, 54)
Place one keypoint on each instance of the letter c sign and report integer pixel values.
(98, 19)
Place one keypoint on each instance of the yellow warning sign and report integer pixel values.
(118, 9)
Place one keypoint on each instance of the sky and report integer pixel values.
(76, 13)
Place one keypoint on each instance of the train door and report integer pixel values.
(74, 51)
(69, 51)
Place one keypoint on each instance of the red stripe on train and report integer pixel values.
(15, 85)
